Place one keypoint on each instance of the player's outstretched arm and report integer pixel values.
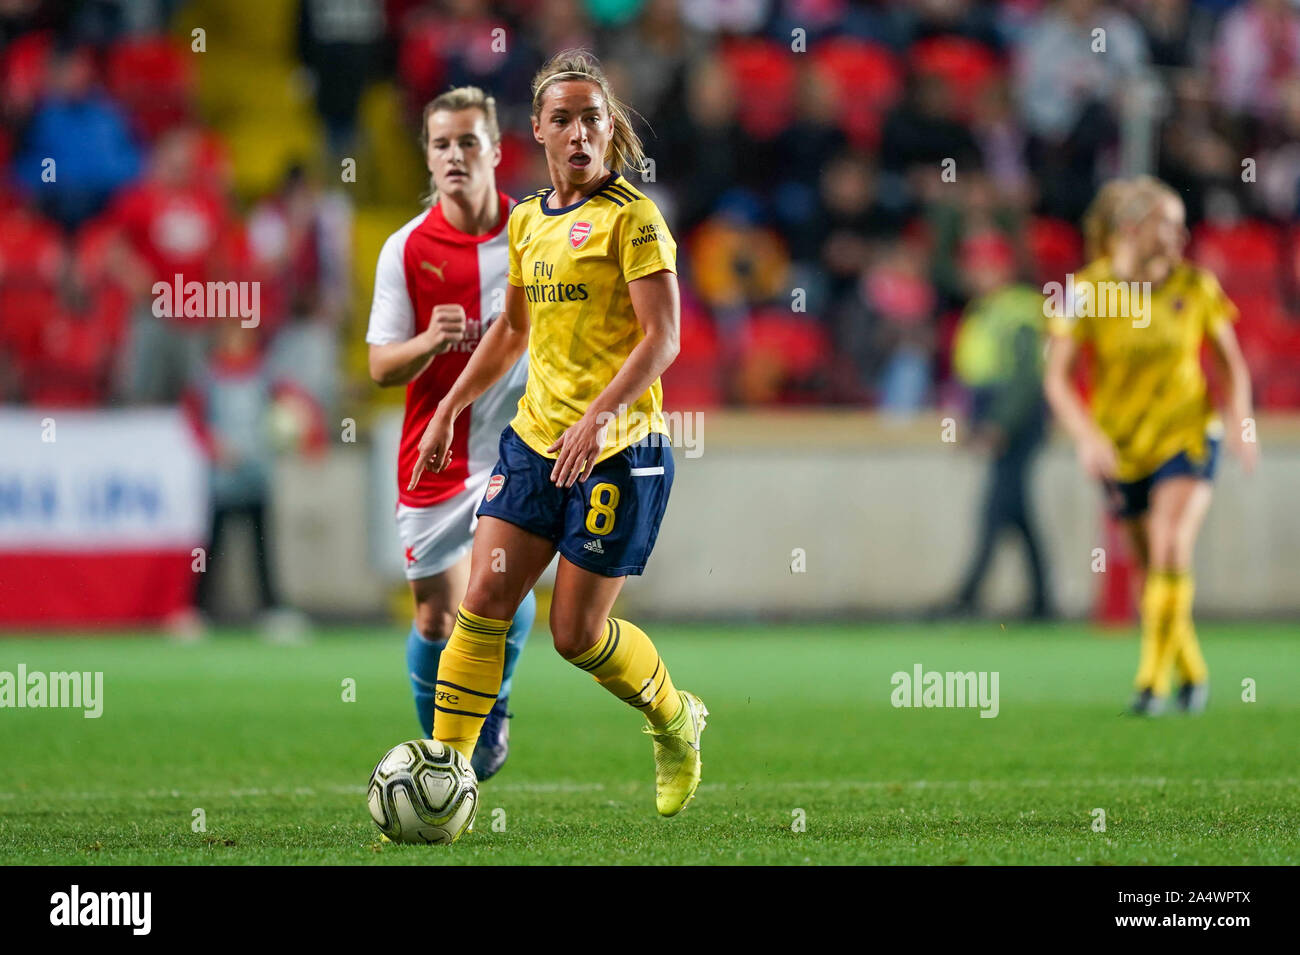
(498, 350)
(1096, 452)
(656, 301)
(1231, 364)
(400, 362)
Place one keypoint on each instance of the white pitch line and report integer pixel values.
(737, 788)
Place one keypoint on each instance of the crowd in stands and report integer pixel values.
(830, 169)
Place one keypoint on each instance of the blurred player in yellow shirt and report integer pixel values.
(1151, 435)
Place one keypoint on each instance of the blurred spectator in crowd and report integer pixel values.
(1074, 64)
(305, 352)
(1177, 31)
(801, 152)
(736, 261)
(33, 263)
(973, 20)
(703, 145)
(465, 43)
(558, 25)
(339, 43)
(923, 132)
(77, 149)
(1257, 47)
(233, 408)
(229, 405)
(971, 205)
(998, 355)
(647, 62)
(21, 17)
(176, 224)
(900, 302)
(1197, 156)
(1003, 146)
(727, 16)
(850, 218)
(102, 21)
(300, 249)
(1279, 161)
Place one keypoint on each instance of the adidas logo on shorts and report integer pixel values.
(594, 547)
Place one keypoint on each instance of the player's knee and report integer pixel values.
(487, 596)
(573, 631)
(434, 623)
(1169, 545)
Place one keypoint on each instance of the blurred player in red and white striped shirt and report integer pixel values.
(440, 281)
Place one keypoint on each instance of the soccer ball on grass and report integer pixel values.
(423, 791)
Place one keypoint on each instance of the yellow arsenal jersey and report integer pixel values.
(1149, 394)
(573, 265)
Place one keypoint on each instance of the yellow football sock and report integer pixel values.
(626, 663)
(1154, 656)
(1187, 651)
(469, 679)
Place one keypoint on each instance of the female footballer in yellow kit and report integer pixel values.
(1152, 436)
(585, 468)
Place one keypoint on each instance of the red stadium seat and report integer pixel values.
(22, 71)
(420, 66)
(1273, 353)
(31, 249)
(1280, 391)
(694, 380)
(1293, 257)
(1245, 257)
(91, 247)
(108, 301)
(31, 263)
(1056, 248)
(779, 352)
(763, 75)
(152, 79)
(867, 81)
(1270, 340)
(71, 365)
(22, 309)
(965, 65)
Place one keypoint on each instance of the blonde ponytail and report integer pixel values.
(625, 147)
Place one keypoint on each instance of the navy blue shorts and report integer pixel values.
(606, 523)
(1129, 499)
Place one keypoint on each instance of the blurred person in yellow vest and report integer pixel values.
(997, 354)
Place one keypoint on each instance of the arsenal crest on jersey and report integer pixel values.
(578, 233)
(495, 485)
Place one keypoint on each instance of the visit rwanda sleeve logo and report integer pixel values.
(578, 233)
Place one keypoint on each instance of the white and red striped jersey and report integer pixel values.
(428, 262)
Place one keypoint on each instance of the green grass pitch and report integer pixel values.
(260, 738)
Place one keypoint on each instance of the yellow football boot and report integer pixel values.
(677, 756)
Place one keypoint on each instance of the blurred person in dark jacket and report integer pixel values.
(998, 354)
(339, 43)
